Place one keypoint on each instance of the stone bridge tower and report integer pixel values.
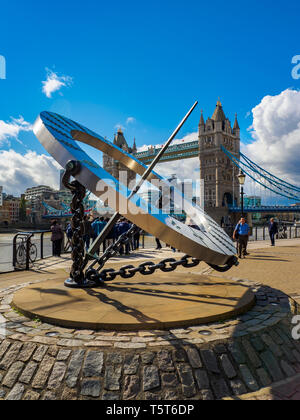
(221, 187)
(114, 167)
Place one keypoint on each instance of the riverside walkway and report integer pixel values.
(252, 356)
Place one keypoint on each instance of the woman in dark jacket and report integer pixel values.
(56, 238)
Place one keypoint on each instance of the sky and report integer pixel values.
(141, 66)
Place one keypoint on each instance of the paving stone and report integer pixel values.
(220, 349)
(257, 343)
(264, 377)
(236, 352)
(63, 355)
(112, 378)
(271, 345)
(165, 362)
(169, 380)
(288, 353)
(248, 378)
(149, 396)
(296, 354)
(74, 368)
(90, 388)
(202, 379)
(194, 357)
(13, 374)
(131, 345)
(49, 396)
(207, 395)
(254, 359)
(131, 364)
(93, 364)
(70, 343)
(57, 375)
(98, 344)
(148, 357)
(210, 361)
(272, 366)
(171, 396)
(227, 366)
(287, 369)
(151, 378)
(16, 393)
(220, 388)
(143, 339)
(28, 372)
(179, 355)
(10, 356)
(53, 351)
(3, 348)
(26, 352)
(110, 396)
(114, 358)
(131, 387)
(238, 387)
(286, 338)
(69, 394)
(43, 372)
(31, 396)
(40, 353)
(276, 337)
(187, 380)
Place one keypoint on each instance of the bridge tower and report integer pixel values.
(114, 167)
(221, 188)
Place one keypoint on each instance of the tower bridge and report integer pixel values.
(220, 160)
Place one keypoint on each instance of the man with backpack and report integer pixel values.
(241, 234)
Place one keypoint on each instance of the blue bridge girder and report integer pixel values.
(266, 209)
(178, 151)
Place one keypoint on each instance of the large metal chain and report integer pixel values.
(167, 265)
(77, 209)
(129, 271)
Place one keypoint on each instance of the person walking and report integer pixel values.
(241, 234)
(57, 236)
(273, 230)
(159, 246)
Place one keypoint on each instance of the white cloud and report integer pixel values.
(276, 134)
(55, 83)
(11, 129)
(18, 172)
(130, 120)
(187, 169)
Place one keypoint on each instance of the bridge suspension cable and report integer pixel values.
(265, 179)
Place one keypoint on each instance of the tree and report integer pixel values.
(22, 212)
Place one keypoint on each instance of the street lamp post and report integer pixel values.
(242, 179)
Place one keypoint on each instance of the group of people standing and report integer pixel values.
(93, 227)
(242, 233)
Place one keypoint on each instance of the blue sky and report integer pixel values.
(148, 61)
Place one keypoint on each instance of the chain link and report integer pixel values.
(146, 269)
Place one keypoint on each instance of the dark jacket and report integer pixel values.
(273, 228)
(57, 233)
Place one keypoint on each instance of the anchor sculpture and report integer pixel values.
(209, 243)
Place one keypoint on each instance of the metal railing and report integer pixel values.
(23, 250)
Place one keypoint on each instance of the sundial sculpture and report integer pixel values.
(209, 243)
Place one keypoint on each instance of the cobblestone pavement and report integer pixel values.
(226, 359)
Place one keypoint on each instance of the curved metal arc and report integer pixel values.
(60, 144)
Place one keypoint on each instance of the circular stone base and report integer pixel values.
(167, 301)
